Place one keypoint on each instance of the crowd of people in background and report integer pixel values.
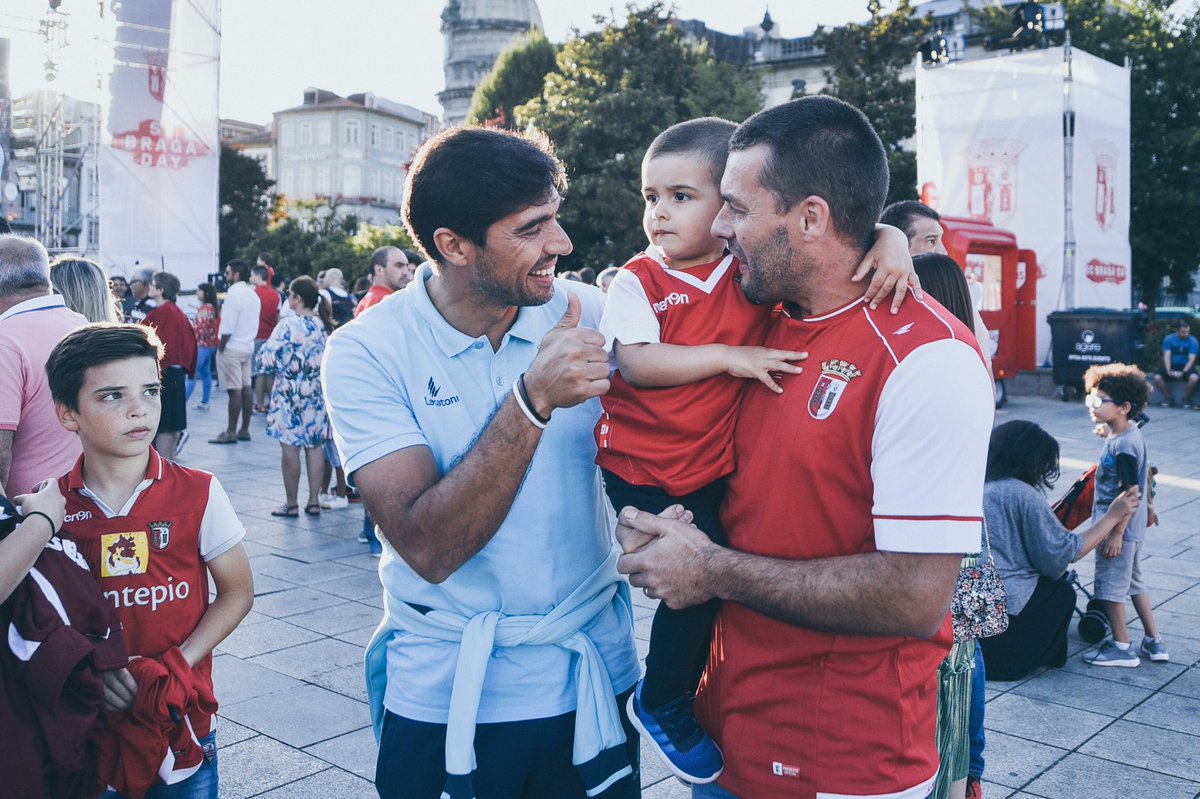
(772, 340)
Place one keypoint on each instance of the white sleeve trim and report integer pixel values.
(628, 317)
(220, 530)
(929, 451)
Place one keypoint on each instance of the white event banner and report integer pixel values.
(160, 153)
(990, 147)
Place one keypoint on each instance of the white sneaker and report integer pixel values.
(323, 500)
(200, 406)
(334, 502)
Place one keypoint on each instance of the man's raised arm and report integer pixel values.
(438, 522)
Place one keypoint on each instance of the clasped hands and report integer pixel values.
(666, 555)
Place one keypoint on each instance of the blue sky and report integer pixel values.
(272, 49)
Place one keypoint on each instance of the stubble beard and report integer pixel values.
(773, 272)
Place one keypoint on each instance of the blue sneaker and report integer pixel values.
(1109, 654)
(677, 738)
(1155, 649)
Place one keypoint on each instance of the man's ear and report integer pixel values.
(66, 417)
(813, 217)
(456, 250)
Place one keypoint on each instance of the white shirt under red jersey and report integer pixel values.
(149, 556)
(880, 445)
(677, 438)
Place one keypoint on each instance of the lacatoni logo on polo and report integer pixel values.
(835, 377)
(432, 390)
(784, 770)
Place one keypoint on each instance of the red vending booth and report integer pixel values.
(1003, 282)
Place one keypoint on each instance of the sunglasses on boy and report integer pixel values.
(1094, 400)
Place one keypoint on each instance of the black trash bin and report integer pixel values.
(1084, 337)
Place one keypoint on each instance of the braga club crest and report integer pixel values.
(835, 376)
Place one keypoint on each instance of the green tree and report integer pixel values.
(308, 244)
(1161, 39)
(244, 192)
(516, 78)
(612, 92)
(867, 68)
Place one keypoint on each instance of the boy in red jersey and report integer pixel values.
(685, 339)
(152, 532)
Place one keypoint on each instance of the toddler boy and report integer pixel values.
(1117, 393)
(152, 532)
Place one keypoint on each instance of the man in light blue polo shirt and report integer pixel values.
(463, 407)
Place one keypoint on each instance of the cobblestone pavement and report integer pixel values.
(294, 719)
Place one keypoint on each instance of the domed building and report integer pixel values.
(476, 31)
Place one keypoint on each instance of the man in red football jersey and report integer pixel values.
(857, 490)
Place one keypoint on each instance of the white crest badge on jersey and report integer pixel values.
(835, 377)
(160, 534)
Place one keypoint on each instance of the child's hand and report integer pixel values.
(46, 499)
(120, 689)
(893, 266)
(759, 362)
(1112, 546)
(1101, 430)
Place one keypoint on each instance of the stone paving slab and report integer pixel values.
(1013, 761)
(331, 782)
(300, 717)
(1171, 753)
(1095, 778)
(295, 724)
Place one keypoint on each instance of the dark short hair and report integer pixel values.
(266, 258)
(942, 278)
(904, 213)
(415, 258)
(1182, 322)
(95, 345)
(380, 256)
(821, 146)
(262, 272)
(1024, 451)
(239, 266)
(466, 179)
(706, 137)
(168, 284)
(1122, 381)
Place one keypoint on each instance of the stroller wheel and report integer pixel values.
(1093, 626)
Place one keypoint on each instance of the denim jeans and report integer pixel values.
(201, 785)
(975, 734)
(204, 362)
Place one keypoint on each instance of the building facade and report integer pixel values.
(476, 32)
(350, 153)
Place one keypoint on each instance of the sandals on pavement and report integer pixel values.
(223, 438)
(243, 436)
(291, 511)
(313, 509)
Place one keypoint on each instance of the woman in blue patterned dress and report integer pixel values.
(296, 416)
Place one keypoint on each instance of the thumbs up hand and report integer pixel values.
(571, 365)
